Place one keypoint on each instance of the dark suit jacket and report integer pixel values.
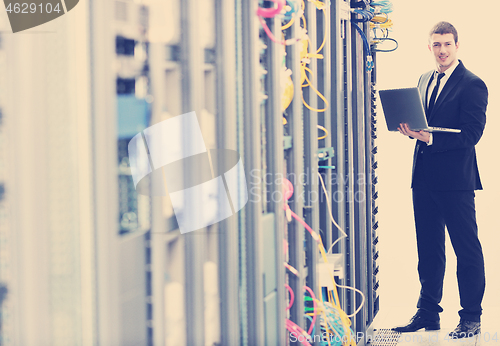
(450, 162)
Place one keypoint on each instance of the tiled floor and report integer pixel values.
(398, 300)
(399, 293)
(441, 338)
(387, 319)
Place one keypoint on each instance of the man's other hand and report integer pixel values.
(421, 135)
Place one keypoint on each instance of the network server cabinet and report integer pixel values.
(45, 213)
(347, 113)
(125, 274)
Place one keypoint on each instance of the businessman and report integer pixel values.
(444, 178)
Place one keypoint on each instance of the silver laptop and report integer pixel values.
(405, 106)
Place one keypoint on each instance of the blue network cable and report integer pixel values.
(294, 8)
(333, 328)
(385, 5)
(366, 16)
(335, 322)
(311, 320)
(369, 59)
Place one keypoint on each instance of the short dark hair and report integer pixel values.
(443, 28)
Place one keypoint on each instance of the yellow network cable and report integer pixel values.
(305, 57)
(333, 300)
(326, 325)
(289, 24)
(305, 81)
(336, 302)
(382, 25)
(309, 84)
(381, 19)
(324, 130)
(322, 6)
(288, 89)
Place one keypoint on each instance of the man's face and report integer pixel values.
(444, 49)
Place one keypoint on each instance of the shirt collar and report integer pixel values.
(449, 71)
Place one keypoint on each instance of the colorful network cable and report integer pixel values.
(332, 314)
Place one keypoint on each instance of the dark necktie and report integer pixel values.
(432, 101)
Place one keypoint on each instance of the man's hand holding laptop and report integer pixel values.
(421, 135)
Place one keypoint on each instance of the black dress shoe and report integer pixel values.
(466, 329)
(416, 323)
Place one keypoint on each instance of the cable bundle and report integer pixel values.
(285, 9)
(300, 334)
(381, 25)
(335, 322)
(366, 46)
(271, 12)
(360, 4)
(290, 9)
(366, 16)
(383, 6)
(334, 331)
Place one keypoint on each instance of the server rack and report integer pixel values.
(5, 227)
(45, 215)
(214, 57)
(355, 130)
(349, 88)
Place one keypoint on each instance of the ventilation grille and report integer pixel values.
(384, 337)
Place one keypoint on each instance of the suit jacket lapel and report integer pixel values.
(422, 86)
(455, 77)
(424, 83)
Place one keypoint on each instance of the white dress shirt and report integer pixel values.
(442, 83)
